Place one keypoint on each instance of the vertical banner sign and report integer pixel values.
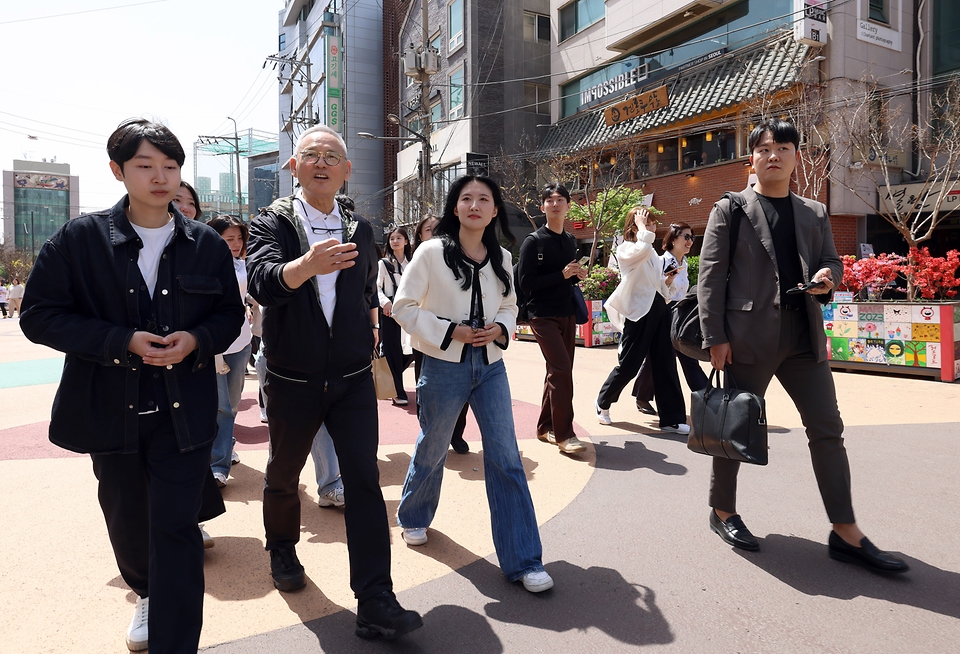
(810, 26)
(334, 94)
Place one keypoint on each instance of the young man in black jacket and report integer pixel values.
(141, 299)
(548, 269)
(313, 264)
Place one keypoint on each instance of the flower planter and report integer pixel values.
(906, 338)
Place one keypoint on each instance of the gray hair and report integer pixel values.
(320, 128)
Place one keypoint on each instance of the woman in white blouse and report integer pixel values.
(639, 310)
(391, 267)
(676, 247)
(459, 303)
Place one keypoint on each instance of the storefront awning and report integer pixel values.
(733, 80)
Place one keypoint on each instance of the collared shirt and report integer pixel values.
(329, 226)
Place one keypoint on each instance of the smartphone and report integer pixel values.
(672, 269)
(584, 261)
(803, 289)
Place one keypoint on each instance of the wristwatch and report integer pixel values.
(375, 326)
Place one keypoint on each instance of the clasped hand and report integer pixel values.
(162, 351)
(477, 337)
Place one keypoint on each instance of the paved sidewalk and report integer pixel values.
(624, 528)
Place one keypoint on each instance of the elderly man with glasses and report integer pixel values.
(313, 264)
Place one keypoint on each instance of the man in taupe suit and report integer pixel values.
(753, 326)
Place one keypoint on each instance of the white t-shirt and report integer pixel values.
(246, 333)
(329, 226)
(3, 294)
(155, 239)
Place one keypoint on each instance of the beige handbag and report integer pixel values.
(383, 379)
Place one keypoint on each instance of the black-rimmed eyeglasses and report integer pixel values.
(330, 157)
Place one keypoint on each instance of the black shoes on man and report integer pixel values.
(382, 615)
(735, 533)
(286, 570)
(866, 555)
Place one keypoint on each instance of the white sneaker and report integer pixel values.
(208, 541)
(537, 582)
(234, 458)
(415, 537)
(603, 415)
(571, 446)
(220, 478)
(137, 631)
(263, 414)
(676, 429)
(333, 497)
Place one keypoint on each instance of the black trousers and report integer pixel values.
(295, 411)
(150, 500)
(692, 372)
(810, 385)
(650, 335)
(393, 351)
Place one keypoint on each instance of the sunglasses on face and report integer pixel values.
(330, 158)
(687, 237)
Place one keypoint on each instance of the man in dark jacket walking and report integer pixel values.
(141, 299)
(313, 264)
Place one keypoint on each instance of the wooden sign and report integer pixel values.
(638, 105)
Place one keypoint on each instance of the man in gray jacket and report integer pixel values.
(758, 330)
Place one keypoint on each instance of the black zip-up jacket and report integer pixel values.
(82, 299)
(298, 340)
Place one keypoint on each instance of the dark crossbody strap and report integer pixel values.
(737, 202)
(393, 280)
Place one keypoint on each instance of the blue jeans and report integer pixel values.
(325, 462)
(229, 389)
(442, 390)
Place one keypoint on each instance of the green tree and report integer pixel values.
(605, 212)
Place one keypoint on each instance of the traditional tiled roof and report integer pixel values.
(734, 79)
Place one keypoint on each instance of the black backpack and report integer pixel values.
(523, 316)
(685, 332)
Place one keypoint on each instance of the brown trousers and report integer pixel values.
(556, 337)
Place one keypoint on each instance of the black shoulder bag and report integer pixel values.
(685, 331)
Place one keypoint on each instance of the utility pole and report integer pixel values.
(236, 143)
(425, 103)
(299, 74)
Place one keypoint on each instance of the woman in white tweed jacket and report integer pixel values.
(458, 302)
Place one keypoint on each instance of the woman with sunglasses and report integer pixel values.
(639, 310)
(676, 246)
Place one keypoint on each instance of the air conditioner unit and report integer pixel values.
(430, 61)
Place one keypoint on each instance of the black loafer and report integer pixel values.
(286, 570)
(460, 446)
(645, 407)
(382, 615)
(733, 532)
(866, 555)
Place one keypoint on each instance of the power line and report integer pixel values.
(76, 13)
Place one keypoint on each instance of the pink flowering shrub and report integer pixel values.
(600, 283)
(926, 276)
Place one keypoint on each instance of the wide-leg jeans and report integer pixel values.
(442, 390)
(229, 390)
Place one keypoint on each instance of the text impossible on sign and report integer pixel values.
(636, 106)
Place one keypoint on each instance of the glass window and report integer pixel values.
(436, 112)
(641, 162)
(664, 157)
(878, 11)
(283, 42)
(536, 98)
(946, 37)
(455, 25)
(437, 41)
(715, 145)
(579, 15)
(456, 94)
(536, 28)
